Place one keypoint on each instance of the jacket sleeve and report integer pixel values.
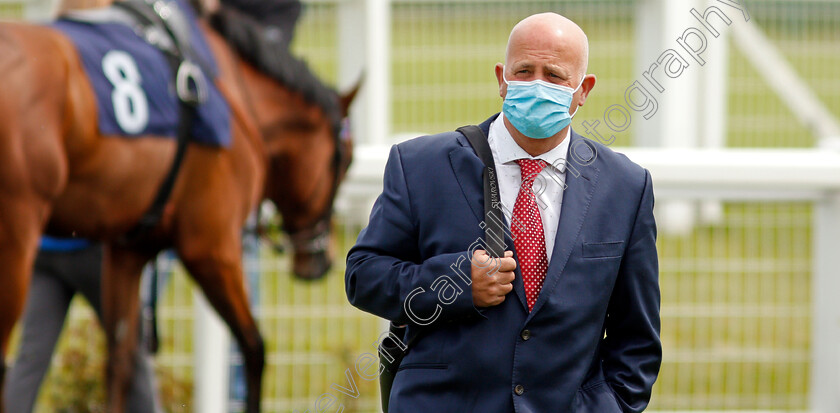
(385, 275)
(632, 352)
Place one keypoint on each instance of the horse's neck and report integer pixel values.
(234, 89)
(279, 111)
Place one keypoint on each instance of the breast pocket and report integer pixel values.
(594, 250)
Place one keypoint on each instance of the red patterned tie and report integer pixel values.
(527, 229)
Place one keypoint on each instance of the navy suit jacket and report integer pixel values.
(591, 343)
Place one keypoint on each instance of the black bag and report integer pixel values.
(391, 353)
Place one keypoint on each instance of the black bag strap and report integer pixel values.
(494, 233)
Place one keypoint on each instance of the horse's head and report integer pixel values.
(305, 135)
(309, 151)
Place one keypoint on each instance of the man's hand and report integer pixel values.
(491, 278)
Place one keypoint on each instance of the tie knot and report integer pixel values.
(530, 168)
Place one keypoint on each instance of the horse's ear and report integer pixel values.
(347, 98)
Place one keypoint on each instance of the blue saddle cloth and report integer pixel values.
(134, 83)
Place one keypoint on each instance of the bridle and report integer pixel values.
(314, 239)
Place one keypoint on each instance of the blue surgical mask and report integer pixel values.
(537, 108)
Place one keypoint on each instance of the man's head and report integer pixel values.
(551, 48)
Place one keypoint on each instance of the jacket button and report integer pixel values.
(519, 389)
(526, 334)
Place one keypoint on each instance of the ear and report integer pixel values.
(346, 99)
(500, 77)
(586, 87)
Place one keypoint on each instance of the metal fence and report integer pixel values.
(749, 322)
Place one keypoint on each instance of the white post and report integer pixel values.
(674, 125)
(212, 352)
(649, 43)
(352, 60)
(714, 83)
(676, 122)
(364, 41)
(378, 70)
(714, 80)
(825, 284)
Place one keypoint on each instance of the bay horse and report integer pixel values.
(61, 176)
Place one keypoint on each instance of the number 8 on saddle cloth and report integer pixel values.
(135, 87)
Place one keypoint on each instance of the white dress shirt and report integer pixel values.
(548, 185)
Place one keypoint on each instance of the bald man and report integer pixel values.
(568, 319)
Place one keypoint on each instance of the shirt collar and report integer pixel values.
(506, 150)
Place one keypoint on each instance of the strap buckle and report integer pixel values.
(190, 84)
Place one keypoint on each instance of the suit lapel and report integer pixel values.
(468, 171)
(576, 199)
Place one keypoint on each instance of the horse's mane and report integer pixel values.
(245, 35)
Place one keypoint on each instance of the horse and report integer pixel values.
(59, 175)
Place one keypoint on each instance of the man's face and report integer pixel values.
(547, 52)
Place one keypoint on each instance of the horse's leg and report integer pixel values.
(120, 305)
(217, 268)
